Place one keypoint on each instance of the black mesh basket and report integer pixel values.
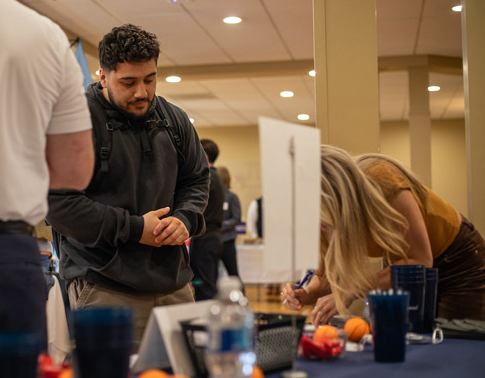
(276, 345)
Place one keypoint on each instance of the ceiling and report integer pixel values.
(231, 74)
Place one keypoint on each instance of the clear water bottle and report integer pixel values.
(230, 353)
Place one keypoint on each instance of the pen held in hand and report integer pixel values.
(305, 279)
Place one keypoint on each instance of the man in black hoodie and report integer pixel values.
(121, 241)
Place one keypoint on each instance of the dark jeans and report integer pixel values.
(461, 276)
(22, 286)
(229, 258)
(204, 261)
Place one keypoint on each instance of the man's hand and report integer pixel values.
(170, 231)
(152, 219)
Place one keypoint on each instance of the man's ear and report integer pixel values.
(103, 78)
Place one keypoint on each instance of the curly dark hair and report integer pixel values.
(127, 43)
(210, 149)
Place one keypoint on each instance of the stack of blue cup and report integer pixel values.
(411, 278)
(430, 299)
(19, 352)
(104, 342)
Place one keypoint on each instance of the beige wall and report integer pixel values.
(239, 152)
(448, 156)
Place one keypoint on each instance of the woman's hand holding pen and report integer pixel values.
(293, 295)
(294, 298)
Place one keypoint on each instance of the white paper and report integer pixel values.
(287, 178)
(163, 344)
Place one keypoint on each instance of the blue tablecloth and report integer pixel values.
(453, 358)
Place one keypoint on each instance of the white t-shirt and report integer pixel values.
(252, 219)
(40, 93)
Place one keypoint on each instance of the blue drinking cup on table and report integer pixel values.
(104, 342)
(389, 314)
(411, 278)
(430, 296)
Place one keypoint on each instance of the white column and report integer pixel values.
(347, 101)
(473, 32)
(420, 123)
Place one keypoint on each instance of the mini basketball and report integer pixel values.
(154, 373)
(356, 328)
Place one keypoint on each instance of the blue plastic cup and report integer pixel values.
(430, 299)
(104, 342)
(389, 314)
(19, 352)
(411, 278)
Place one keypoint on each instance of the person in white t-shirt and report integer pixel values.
(255, 218)
(45, 142)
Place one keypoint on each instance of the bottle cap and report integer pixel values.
(228, 283)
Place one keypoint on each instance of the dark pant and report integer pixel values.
(22, 286)
(204, 261)
(229, 258)
(461, 276)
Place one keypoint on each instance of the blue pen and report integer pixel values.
(307, 277)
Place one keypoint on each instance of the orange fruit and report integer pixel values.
(356, 329)
(154, 373)
(257, 372)
(325, 331)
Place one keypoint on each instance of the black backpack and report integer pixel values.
(168, 121)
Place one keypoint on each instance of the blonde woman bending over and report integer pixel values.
(373, 206)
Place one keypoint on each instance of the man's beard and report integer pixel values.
(129, 116)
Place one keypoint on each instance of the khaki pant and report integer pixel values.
(83, 294)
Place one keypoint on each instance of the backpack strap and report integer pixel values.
(166, 114)
(103, 134)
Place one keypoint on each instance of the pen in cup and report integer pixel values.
(307, 277)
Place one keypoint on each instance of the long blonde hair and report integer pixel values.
(355, 211)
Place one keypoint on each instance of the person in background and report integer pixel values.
(45, 142)
(121, 241)
(231, 218)
(43, 234)
(255, 218)
(205, 250)
(373, 206)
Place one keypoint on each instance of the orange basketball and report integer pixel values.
(67, 373)
(257, 372)
(356, 328)
(153, 373)
(325, 331)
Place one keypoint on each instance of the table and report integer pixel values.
(453, 358)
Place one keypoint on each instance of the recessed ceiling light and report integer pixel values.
(433, 88)
(312, 73)
(303, 117)
(232, 20)
(97, 72)
(173, 79)
(286, 94)
(456, 8)
(192, 120)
